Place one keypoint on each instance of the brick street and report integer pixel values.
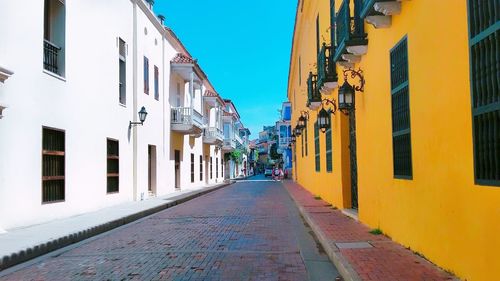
(250, 230)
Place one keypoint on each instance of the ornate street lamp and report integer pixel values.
(347, 92)
(298, 131)
(142, 117)
(323, 120)
(302, 122)
(294, 138)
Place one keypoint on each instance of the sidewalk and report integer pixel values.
(22, 244)
(358, 254)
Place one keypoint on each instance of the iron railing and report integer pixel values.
(50, 54)
(326, 66)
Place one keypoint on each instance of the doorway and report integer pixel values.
(177, 169)
(152, 170)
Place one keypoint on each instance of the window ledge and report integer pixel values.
(122, 105)
(2, 107)
(50, 73)
(5, 74)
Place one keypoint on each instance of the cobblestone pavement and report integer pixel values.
(248, 231)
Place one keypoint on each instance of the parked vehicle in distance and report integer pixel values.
(268, 172)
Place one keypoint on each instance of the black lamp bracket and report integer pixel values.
(133, 124)
(356, 73)
(326, 102)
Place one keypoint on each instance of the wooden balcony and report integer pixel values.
(213, 136)
(185, 120)
(327, 72)
(350, 36)
(313, 94)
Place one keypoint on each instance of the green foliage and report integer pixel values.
(376, 231)
(317, 197)
(274, 152)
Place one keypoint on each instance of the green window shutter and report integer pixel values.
(484, 40)
(401, 133)
(329, 150)
(302, 143)
(316, 148)
(307, 149)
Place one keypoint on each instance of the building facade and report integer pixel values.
(73, 97)
(409, 144)
(284, 132)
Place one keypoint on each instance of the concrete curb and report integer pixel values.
(44, 248)
(344, 267)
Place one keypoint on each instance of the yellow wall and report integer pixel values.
(440, 213)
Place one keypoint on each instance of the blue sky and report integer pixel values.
(243, 47)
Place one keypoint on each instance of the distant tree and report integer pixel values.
(274, 152)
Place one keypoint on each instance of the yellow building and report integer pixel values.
(417, 153)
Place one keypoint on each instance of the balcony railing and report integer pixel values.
(229, 144)
(349, 30)
(327, 72)
(50, 53)
(213, 133)
(186, 116)
(313, 94)
(285, 141)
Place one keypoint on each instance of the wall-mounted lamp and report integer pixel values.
(347, 91)
(302, 122)
(294, 138)
(142, 117)
(298, 131)
(324, 115)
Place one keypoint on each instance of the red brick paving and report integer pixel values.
(386, 261)
(241, 232)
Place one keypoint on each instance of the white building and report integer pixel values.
(69, 90)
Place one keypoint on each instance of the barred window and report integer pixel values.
(401, 133)
(201, 168)
(53, 165)
(192, 167)
(113, 166)
(329, 150)
(316, 147)
(484, 25)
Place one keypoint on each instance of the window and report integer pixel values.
(211, 170)
(305, 136)
(113, 166)
(316, 147)
(192, 167)
(222, 167)
(146, 75)
(157, 86)
(484, 32)
(54, 36)
(401, 134)
(201, 167)
(122, 86)
(53, 165)
(302, 144)
(216, 167)
(328, 140)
